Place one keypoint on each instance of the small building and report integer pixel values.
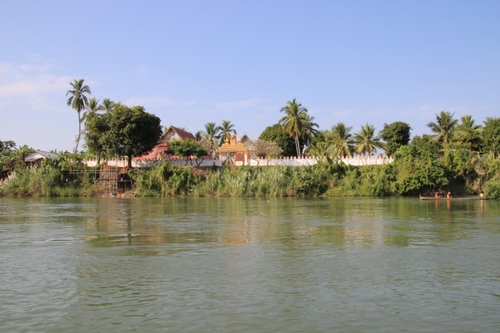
(38, 156)
(158, 151)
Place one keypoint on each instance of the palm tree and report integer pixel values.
(443, 127)
(294, 122)
(342, 139)
(78, 101)
(107, 105)
(366, 140)
(468, 133)
(224, 131)
(92, 107)
(310, 129)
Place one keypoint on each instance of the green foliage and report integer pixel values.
(395, 135)
(417, 171)
(133, 131)
(443, 128)
(186, 148)
(276, 134)
(367, 141)
(426, 142)
(491, 136)
(78, 101)
(492, 189)
(297, 124)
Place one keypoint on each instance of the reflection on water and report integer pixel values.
(250, 265)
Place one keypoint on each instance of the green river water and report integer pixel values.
(249, 265)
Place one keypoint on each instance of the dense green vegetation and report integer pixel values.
(459, 156)
(414, 171)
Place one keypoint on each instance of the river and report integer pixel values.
(249, 265)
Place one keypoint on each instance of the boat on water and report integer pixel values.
(455, 198)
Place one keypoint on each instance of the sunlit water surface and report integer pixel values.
(249, 265)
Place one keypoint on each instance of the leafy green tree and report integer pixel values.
(443, 128)
(417, 171)
(491, 135)
(426, 142)
(395, 135)
(7, 148)
(295, 122)
(78, 101)
(276, 134)
(341, 138)
(186, 148)
(366, 141)
(224, 131)
(132, 132)
(468, 134)
(97, 138)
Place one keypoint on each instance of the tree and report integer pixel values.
(132, 131)
(208, 138)
(78, 101)
(468, 134)
(309, 130)
(107, 105)
(417, 171)
(491, 135)
(426, 143)
(444, 127)
(366, 141)
(341, 138)
(265, 149)
(97, 127)
(295, 121)
(395, 135)
(186, 148)
(224, 131)
(276, 134)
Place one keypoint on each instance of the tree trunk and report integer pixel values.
(79, 132)
(129, 161)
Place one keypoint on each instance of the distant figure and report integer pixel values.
(481, 194)
(436, 195)
(448, 195)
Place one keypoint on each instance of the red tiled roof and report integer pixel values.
(180, 132)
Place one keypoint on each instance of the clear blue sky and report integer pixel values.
(193, 62)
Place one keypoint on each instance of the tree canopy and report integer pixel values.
(395, 135)
(125, 131)
(276, 134)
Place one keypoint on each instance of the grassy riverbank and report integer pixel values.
(408, 175)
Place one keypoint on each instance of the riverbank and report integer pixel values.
(318, 180)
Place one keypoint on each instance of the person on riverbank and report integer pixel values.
(448, 195)
(436, 195)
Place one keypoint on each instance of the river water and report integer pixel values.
(249, 265)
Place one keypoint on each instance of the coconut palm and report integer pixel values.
(468, 133)
(224, 131)
(444, 127)
(294, 121)
(78, 101)
(107, 105)
(92, 107)
(366, 141)
(309, 130)
(341, 138)
(209, 138)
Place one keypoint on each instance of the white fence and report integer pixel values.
(209, 162)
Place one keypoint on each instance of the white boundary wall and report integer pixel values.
(209, 162)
